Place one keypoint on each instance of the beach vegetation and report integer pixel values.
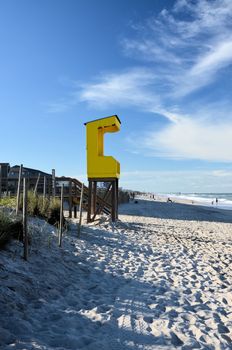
(37, 205)
(10, 227)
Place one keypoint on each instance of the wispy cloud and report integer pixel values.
(130, 87)
(189, 52)
(215, 59)
(135, 87)
(192, 139)
(186, 55)
(177, 53)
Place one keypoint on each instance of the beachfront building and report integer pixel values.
(9, 178)
(4, 171)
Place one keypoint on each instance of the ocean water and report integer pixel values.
(207, 199)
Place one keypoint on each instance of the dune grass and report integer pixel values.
(9, 228)
(37, 205)
(9, 202)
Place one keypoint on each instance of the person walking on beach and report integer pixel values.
(216, 201)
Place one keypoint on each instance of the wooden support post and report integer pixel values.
(7, 189)
(89, 202)
(44, 187)
(25, 233)
(37, 184)
(75, 211)
(94, 197)
(49, 187)
(61, 215)
(116, 198)
(19, 187)
(53, 183)
(70, 198)
(113, 201)
(0, 181)
(101, 205)
(28, 182)
(80, 210)
(75, 196)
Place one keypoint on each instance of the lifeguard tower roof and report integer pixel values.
(115, 115)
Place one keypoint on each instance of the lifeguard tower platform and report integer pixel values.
(101, 168)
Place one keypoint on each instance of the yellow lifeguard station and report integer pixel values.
(101, 168)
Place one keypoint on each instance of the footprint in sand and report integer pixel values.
(173, 313)
(187, 291)
(148, 319)
(223, 329)
(175, 340)
(157, 309)
(104, 308)
(158, 327)
(194, 277)
(227, 338)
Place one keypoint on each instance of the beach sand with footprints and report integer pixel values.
(159, 278)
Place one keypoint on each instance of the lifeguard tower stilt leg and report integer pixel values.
(96, 204)
(89, 202)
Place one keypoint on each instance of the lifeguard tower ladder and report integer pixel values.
(101, 168)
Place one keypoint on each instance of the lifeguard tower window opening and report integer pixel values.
(111, 144)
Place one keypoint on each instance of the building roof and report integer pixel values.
(30, 169)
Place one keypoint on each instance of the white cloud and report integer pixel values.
(218, 57)
(189, 52)
(192, 139)
(134, 87)
(186, 54)
(127, 88)
(178, 181)
(187, 47)
(222, 173)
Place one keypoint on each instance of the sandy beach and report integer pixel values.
(159, 278)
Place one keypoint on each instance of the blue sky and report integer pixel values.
(163, 66)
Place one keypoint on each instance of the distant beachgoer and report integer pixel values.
(216, 201)
(212, 202)
(169, 200)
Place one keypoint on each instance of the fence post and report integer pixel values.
(18, 190)
(25, 233)
(70, 198)
(61, 215)
(53, 182)
(75, 207)
(36, 185)
(80, 210)
(7, 189)
(44, 187)
(0, 181)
